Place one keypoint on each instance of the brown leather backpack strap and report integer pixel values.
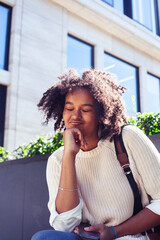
(124, 162)
(122, 157)
(121, 154)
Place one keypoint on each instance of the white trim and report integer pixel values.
(9, 2)
(4, 77)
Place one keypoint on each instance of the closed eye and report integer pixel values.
(69, 109)
(86, 110)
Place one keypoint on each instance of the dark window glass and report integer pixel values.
(79, 54)
(128, 77)
(153, 93)
(3, 90)
(5, 22)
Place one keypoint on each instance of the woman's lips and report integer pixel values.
(75, 123)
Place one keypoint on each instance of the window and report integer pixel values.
(3, 90)
(5, 22)
(144, 12)
(127, 76)
(79, 54)
(153, 93)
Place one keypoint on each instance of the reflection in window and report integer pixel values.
(110, 2)
(5, 21)
(153, 93)
(118, 4)
(79, 54)
(127, 77)
(3, 90)
(144, 12)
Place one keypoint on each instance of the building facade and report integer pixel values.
(41, 38)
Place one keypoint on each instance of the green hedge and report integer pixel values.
(149, 123)
(42, 145)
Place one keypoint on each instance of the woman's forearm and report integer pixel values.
(141, 222)
(67, 197)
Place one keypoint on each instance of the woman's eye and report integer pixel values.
(86, 110)
(69, 109)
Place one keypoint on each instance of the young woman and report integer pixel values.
(85, 180)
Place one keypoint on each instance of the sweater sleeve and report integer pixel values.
(66, 221)
(147, 161)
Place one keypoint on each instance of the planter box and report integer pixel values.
(23, 198)
(156, 140)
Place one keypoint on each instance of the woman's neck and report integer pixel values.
(91, 143)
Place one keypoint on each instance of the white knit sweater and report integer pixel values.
(105, 193)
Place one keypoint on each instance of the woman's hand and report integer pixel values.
(73, 141)
(106, 233)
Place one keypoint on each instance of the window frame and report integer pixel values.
(155, 76)
(3, 91)
(157, 17)
(7, 43)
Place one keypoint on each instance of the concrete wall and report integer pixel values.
(35, 61)
(38, 54)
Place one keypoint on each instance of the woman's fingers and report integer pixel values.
(77, 136)
(95, 228)
(76, 230)
(105, 232)
(79, 139)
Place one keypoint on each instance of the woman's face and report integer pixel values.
(79, 112)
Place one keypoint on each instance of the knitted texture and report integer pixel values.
(102, 185)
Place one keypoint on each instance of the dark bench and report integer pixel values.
(24, 196)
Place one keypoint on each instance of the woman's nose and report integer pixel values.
(77, 113)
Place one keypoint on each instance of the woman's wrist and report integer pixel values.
(114, 232)
(69, 155)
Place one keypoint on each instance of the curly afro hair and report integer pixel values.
(106, 93)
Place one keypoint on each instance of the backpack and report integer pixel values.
(122, 157)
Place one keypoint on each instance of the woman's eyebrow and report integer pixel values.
(68, 102)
